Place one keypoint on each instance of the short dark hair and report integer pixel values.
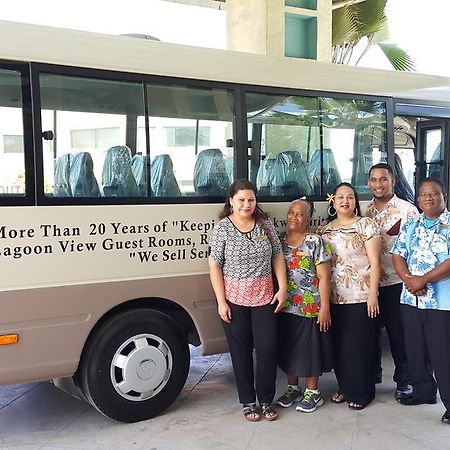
(435, 180)
(382, 166)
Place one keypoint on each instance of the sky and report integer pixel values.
(169, 22)
(424, 31)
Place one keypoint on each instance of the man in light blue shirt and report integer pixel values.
(421, 257)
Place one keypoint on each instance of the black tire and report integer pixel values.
(135, 365)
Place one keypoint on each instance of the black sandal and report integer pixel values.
(251, 412)
(356, 406)
(338, 398)
(269, 412)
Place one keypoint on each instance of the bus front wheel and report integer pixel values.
(135, 365)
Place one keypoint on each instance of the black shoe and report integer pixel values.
(403, 390)
(446, 417)
(410, 400)
(378, 380)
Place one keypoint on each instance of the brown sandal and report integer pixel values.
(251, 412)
(269, 412)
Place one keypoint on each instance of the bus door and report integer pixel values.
(433, 145)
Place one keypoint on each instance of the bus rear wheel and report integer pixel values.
(135, 365)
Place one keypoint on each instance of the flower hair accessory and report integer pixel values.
(330, 198)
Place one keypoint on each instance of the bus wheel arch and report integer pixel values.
(134, 364)
(164, 305)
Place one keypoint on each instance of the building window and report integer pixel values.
(185, 136)
(13, 143)
(94, 138)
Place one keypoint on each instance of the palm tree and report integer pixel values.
(359, 21)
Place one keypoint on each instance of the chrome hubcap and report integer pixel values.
(141, 367)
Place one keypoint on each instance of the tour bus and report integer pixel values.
(116, 155)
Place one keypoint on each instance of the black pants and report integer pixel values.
(253, 327)
(390, 318)
(427, 339)
(353, 334)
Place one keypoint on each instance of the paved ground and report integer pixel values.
(207, 416)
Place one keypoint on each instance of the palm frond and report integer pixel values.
(381, 35)
(354, 22)
(370, 15)
(398, 57)
(345, 26)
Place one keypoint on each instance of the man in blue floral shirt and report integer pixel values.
(421, 257)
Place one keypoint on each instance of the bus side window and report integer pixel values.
(12, 141)
(86, 117)
(184, 122)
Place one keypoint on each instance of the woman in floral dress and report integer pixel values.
(304, 346)
(355, 276)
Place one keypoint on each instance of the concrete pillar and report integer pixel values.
(258, 26)
(324, 30)
(247, 26)
(275, 27)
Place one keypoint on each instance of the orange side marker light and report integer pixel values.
(6, 339)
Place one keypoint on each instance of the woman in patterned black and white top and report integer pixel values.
(244, 249)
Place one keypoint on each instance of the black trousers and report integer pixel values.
(427, 339)
(390, 318)
(253, 327)
(353, 334)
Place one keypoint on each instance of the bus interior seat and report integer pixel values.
(331, 175)
(140, 167)
(117, 178)
(164, 183)
(402, 188)
(62, 166)
(210, 174)
(290, 175)
(264, 175)
(82, 179)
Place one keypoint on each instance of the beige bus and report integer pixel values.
(116, 155)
